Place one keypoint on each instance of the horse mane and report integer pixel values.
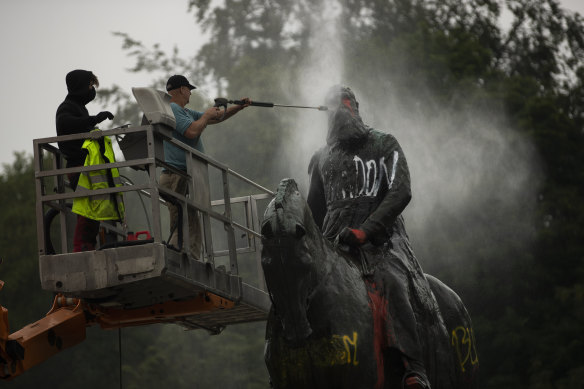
(285, 188)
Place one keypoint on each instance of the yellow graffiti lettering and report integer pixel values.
(348, 343)
(464, 345)
(336, 350)
(344, 348)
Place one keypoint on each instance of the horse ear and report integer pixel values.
(300, 231)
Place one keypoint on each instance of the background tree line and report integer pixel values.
(486, 98)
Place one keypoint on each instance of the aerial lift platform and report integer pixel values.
(137, 278)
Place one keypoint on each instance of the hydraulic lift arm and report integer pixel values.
(61, 328)
(65, 324)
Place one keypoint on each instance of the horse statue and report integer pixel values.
(321, 330)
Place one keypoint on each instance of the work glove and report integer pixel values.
(352, 237)
(100, 117)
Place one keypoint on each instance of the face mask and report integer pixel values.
(90, 95)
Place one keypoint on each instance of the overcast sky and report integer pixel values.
(41, 41)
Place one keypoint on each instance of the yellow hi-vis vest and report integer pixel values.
(104, 206)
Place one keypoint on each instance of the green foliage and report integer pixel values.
(230, 360)
(19, 268)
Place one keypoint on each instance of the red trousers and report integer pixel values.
(86, 229)
(85, 236)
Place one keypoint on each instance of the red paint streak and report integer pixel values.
(378, 305)
(347, 103)
(360, 235)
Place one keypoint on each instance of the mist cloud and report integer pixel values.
(472, 173)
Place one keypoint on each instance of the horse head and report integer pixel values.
(291, 241)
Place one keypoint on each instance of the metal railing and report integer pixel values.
(52, 193)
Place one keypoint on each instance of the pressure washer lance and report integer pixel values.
(222, 102)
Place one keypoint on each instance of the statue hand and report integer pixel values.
(352, 237)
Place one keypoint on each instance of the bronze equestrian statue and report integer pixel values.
(359, 186)
(326, 328)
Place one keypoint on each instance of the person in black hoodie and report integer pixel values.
(73, 118)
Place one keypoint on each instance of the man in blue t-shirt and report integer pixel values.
(189, 127)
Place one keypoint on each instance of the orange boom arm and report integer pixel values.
(64, 326)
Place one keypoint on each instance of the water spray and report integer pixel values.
(222, 102)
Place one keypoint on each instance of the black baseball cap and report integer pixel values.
(177, 81)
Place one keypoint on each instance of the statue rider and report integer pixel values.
(359, 186)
